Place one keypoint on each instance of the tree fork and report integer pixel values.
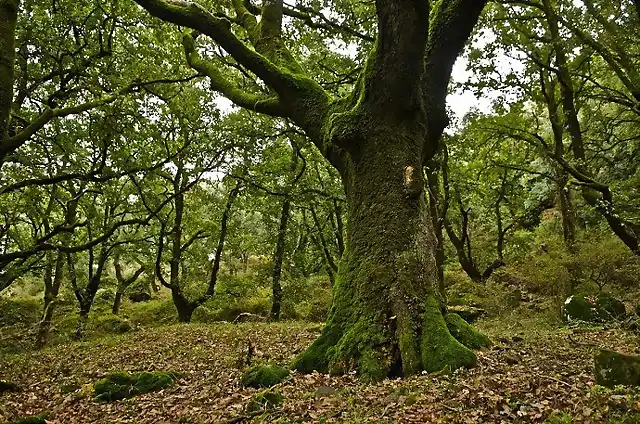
(386, 317)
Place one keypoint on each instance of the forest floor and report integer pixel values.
(531, 375)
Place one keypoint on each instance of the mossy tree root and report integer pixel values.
(377, 351)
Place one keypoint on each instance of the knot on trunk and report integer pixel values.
(413, 181)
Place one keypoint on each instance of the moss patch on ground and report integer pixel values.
(263, 375)
(579, 308)
(33, 419)
(121, 385)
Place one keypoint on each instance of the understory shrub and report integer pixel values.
(19, 311)
(265, 400)
(154, 312)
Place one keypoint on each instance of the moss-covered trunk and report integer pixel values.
(8, 19)
(387, 316)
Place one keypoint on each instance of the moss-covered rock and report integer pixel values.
(121, 385)
(33, 419)
(467, 313)
(578, 308)
(8, 386)
(263, 375)
(112, 324)
(265, 400)
(614, 368)
(465, 333)
(610, 308)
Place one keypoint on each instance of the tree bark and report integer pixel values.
(51, 290)
(123, 282)
(184, 308)
(276, 287)
(595, 194)
(87, 295)
(8, 19)
(386, 318)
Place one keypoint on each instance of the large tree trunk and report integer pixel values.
(386, 318)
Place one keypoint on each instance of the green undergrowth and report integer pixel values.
(33, 419)
(121, 385)
(263, 375)
(265, 400)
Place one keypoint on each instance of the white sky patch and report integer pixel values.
(224, 105)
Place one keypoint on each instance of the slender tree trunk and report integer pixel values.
(115, 310)
(87, 295)
(8, 19)
(52, 288)
(566, 212)
(597, 195)
(465, 262)
(323, 242)
(435, 203)
(81, 324)
(276, 287)
(386, 317)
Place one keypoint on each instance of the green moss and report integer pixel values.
(439, 348)
(263, 375)
(33, 419)
(612, 368)
(465, 333)
(111, 324)
(579, 308)
(152, 381)
(267, 399)
(609, 307)
(314, 358)
(372, 366)
(121, 385)
(411, 363)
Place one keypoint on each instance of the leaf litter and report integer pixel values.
(521, 379)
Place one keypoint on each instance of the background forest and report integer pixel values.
(134, 199)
